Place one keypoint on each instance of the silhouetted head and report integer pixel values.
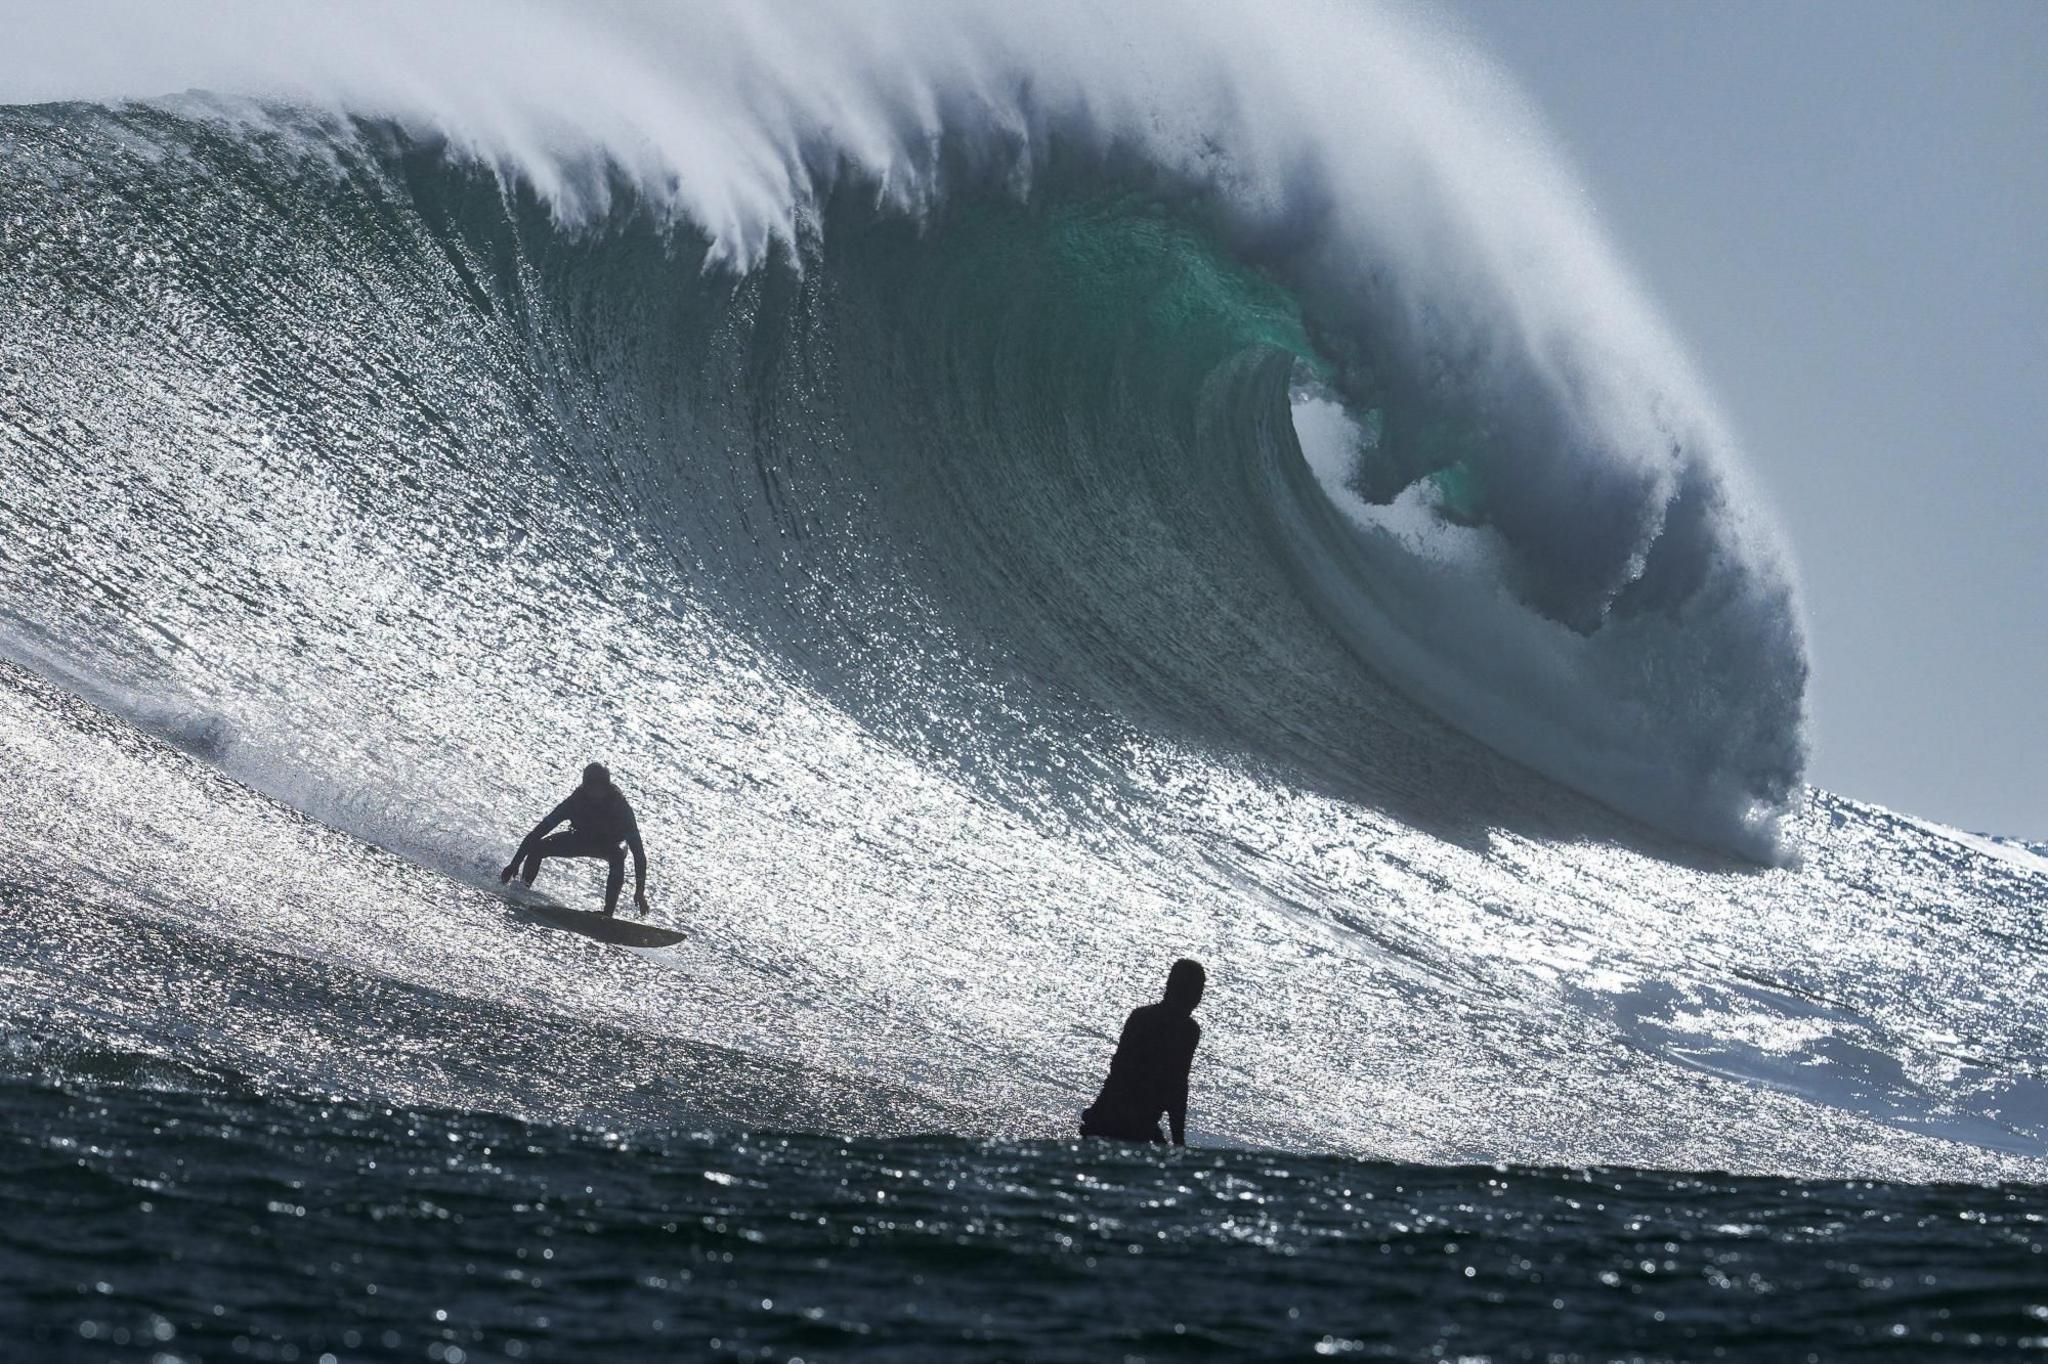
(1184, 985)
(597, 774)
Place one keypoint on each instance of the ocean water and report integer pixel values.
(154, 1215)
(1011, 513)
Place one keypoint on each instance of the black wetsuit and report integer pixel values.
(1147, 1076)
(600, 819)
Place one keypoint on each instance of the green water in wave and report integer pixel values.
(1128, 280)
(1130, 290)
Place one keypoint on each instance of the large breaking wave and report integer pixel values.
(1015, 497)
(1071, 291)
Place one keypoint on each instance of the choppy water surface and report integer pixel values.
(160, 1222)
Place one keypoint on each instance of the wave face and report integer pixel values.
(1014, 503)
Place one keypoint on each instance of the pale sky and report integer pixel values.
(1842, 209)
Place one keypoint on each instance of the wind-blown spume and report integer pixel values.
(1600, 598)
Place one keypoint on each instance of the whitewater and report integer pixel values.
(1016, 495)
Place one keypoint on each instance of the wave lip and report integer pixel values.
(1672, 690)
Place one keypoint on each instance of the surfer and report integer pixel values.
(600, 819)
(1149, 1073)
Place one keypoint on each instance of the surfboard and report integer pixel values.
(589, 923)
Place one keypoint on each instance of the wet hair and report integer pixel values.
(1184, 984)
(597, 774)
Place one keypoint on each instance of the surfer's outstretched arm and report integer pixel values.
(639, 868)
(533, 838)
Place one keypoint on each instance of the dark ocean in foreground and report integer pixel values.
(166, 1224)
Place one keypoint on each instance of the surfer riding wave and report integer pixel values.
(600, 819)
